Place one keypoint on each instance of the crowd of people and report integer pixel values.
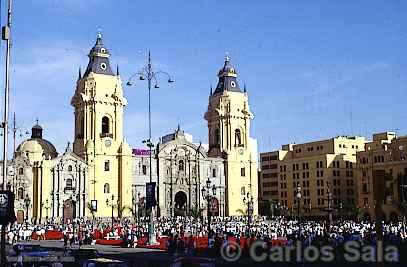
(179, 229)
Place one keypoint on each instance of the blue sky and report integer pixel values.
(313, 69)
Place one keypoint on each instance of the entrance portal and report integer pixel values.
(180, 204)
(69, 210)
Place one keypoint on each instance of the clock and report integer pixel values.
(241, 151)
(108, 142)
(103, 66)
(233, 84)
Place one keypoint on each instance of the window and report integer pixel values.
(213, 172)
(181, 165)
(20, 193)
(106, 188)
(238, 137)
(243, 191)
(107, 166)
(144, 169)
(105, 125)
(70, 168)
(242, 172)
(69, 183)
(20, 171)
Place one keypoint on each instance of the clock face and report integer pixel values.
(108, 142)
(233, 84)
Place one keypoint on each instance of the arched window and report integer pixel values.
(20, 171)
(20, 193)
(70, 168)
(238, 137)
(106, 188)
(181, 165)
(105, 125)
(69, 183)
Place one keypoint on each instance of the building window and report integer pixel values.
(69, 183)
(20, 171)
(70, 168)
(105, 125)
(181, 165)
(106, 188)
(243, 191)
(20, 193)
(242, 172)
(107, 166)
(144, 169)
(238, 137)
(213, 172)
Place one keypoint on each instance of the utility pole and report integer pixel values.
(6, 37)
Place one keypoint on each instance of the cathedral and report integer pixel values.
(100, 174)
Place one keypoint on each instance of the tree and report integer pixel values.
(358, 213)
(196, 212)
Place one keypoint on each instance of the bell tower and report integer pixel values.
(99, 108)
(229, 118)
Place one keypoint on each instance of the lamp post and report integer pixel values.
(298, 197)
(208, 192)
(329, 207)
(27, 202)
(150, 74)
(248, 201)
(110, 202)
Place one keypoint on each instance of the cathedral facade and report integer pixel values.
(100, 173)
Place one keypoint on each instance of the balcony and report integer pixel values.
(104, 135)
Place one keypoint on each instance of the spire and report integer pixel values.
(244, 88)
(99, 58)
(210, 93)
(36, 130)
(227, 78)
(80, 73)
(117, 70)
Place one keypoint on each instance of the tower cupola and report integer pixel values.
(99, 59)
(227, 78)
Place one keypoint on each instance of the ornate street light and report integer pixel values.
(27, 202)
(208, 192)
(110, 202)
(248, 201)
(298, 197)
(151, 75)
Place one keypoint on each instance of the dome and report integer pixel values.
(227, 78)
(99, 59)
(37, 146)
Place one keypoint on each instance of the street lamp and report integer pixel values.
(329, 208)
(298, 197)
(248, 200)
(151, 74)
(208, 192)
(27, 202)
(111, 204)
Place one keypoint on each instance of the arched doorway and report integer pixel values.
(69, 210)
(20, 216)
(180, 204)
(214, 208)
